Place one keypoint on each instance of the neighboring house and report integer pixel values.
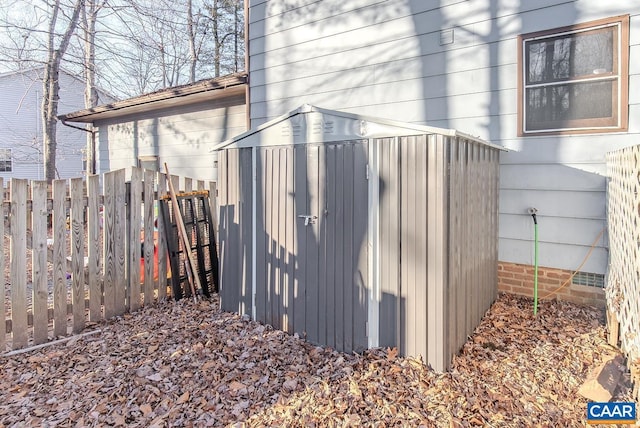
(555, 82)
(176, 125)
(21, 146)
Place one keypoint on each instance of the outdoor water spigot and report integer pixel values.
(532, 211)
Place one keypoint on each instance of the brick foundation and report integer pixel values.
(518, 279)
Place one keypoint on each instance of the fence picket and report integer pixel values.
(162, 242)
(148, 237)
(59, 261)
(39, 261)
(120, 246)
(93, 248)
(108, 253)
(77, 253)
(3, 314)
(18, 262)
(135, 202)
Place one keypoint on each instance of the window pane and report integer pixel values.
(570, 56)
(149, 162)
(551, 107)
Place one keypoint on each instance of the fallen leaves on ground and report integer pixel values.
(189, 364)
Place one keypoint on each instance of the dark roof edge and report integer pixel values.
(218, 83)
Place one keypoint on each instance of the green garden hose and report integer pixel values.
(533, 212)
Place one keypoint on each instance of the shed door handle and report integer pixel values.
(308, 219)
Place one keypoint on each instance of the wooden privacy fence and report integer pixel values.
(81, 250)
(623, 279)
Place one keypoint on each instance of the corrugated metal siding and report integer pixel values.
(438, 242)
(275, 240)
(311, 279)
(437, 248)
(473, 231)
(235, 231)
(389, 248)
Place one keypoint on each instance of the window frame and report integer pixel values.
(6, 158)
(619, 122)
(151, 159)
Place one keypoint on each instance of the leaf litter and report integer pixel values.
(190, 364)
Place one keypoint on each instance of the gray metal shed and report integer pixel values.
(356, 232)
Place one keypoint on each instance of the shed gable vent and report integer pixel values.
(291, 130)
(319, 127)
(328, 127)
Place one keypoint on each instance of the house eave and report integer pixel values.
(206, 90)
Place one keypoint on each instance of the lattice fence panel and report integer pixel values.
(623, 281)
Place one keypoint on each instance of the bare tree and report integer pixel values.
(89, 19)
(225, 25)
(191, 27)
(51, 86)
(128, 47)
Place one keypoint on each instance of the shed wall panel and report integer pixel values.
(360, 255)
(389, 248)
(457, 294)
(438, 255)
(236, 231)
(310, 277)
(310, 170)
(472, 220)
(301, 208)
(332, 260)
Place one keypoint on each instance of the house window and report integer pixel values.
(5, 160)
(149, 162)
(574, 79)
(83, 152)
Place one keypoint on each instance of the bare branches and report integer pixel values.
(51, 87)
(127, 47)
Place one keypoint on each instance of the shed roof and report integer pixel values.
(204, 90)
(311, 124)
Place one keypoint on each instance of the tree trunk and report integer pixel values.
(192, 42)
(51, 85)
(236, 20)
(217, 49)
(90, 16)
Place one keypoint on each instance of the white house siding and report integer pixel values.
(180, 136)
(21, 125)
(391, 59)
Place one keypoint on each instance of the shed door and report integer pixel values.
(311, 260)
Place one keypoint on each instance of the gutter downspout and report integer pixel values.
(91, 152)
(247, 95)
